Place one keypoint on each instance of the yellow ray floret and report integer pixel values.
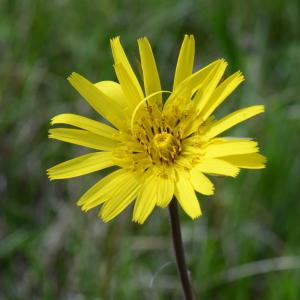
(181, 95)
(186, 196)
(130, 89)
(162, 144)
(246, 161)
(223, 147)
(119, 201)
(102, 190)
(165, 191)
(150, 73)
(233, 119)
(195, 81)
(121, 58)
(221, 93)
(83, 138)
(102, 103)
(185, 62)
(209, 85)
(86, 124)
(114, 91)
(217, 166)
(201, 183)
(81, 165)
(146, 199)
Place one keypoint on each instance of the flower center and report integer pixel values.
(162, 140)
(165, 146)
(159, 136)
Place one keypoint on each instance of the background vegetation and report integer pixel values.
(246, 246)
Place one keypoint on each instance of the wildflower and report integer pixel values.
(161, 148)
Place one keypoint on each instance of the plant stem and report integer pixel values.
(179, 251)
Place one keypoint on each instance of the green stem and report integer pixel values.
(179, 251)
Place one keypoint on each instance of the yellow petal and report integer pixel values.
(209, 85)
(121, 58)
(201, 183)
(186, 197)
(215, 166)
(103, 104)
(132, 94)
(233, 119)
(185, 62)
(188, 87)
(81, 165)
(221, 93)
(222, 147)
(165, 192)
(126, 194)
(82, 138)
(150, 73)
(247, 161)
(103, 190)
(195, 81)
(86, 124)
(114, 91)
(109, 189)
(146, 200)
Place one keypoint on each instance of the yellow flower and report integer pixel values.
(161, 148)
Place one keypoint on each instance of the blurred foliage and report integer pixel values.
(250, 228)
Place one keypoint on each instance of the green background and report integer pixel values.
(246, 245)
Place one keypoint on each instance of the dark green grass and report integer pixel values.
(50, 250)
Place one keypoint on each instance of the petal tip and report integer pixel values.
(72, 76)
(196, 216)
(138, 220)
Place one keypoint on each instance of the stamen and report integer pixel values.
(161, 133)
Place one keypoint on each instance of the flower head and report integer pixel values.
(163, 143)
